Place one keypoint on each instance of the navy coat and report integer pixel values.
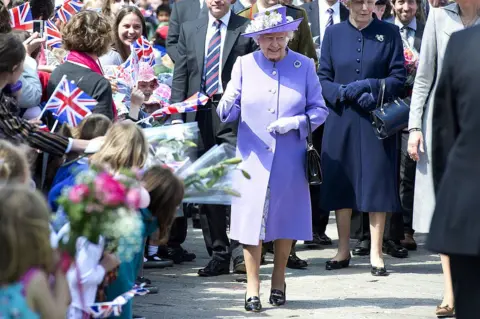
(360, 171)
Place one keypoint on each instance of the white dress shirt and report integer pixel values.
(324, 15)
(211, 29)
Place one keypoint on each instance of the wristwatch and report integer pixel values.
(415, 129)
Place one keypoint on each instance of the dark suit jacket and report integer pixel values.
(313, 15)
(187, 74)
(417, 44)
(302, 41)
(182, 11)
(455, 227)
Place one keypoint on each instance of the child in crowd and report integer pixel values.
(163, 13)
(91, 127)
(27, 259)
(14, 166)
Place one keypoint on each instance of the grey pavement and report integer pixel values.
(413, 289)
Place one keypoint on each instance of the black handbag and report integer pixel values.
(314, 170)
(389, 118)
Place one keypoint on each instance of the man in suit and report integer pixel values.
(240, 5)
(398, 230)
(302, 40)
(455, 225)
(182, 11)
(207, 49)
(321, 14)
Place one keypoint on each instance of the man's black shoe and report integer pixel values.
(296, 263)
(177, 254)
(362, 248)
(393, 249)
(215, 268)
(319, 240)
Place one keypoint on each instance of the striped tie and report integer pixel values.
(330, 18)
(212, 66)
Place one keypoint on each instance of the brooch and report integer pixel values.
(380, 37)
(297, 64)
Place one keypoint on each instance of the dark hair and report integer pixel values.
(42, 9)
(419, 14)
(122, 14)
(87, 31)
(166, 194)
(5, 26)
(24, 35)
(12, 52)
(163, 8)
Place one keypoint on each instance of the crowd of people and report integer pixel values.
(275, 73)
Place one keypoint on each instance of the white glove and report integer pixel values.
(229, 97)
(284, 125)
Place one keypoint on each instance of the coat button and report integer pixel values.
(359, 39)
(271, 111)
(359, 50)
(273, 91)
(274, 72)
(357, 70)
(269, 149)
(358, 60)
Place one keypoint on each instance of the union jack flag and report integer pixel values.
(68, 9)
(189, 105)
(130, 68)
(44, 128)
(54, 37)
(144, 50)
(70, 104)
(21, 17)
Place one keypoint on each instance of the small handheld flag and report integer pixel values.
(21, 17)
(54, 37)
(68, 9)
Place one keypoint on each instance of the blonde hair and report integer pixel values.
(125, 147)
(14, 166)
(24, 233)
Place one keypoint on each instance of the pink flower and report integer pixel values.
(108, 190)
(133, 198)
(78, 193)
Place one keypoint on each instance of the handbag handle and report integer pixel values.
(309, 131)
(381, 95)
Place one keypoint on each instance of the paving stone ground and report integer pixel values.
(412, 290)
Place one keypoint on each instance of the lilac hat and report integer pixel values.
(274, 19)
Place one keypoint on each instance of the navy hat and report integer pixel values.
(381, 2)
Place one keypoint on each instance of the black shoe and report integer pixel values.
(278, 297)
(409, 242)
(177, 254)
(138, 317)
(214, 268)
(335, 265)
(239, 267)
(362, 248)
(296, 263)
(393, 249)
(253, 304)
(317, 239)
(141, 280)
(155, 261)
(379, 271)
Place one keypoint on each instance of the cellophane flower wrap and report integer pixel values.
(209, 179)
(411, 63)
(101, 204)
(172, 145)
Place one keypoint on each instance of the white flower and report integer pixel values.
(265, 21)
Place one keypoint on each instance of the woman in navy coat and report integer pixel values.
(360, 171)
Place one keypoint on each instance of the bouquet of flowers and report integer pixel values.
(411, 63)
(172, 145)
(209, 179)
(100, 204)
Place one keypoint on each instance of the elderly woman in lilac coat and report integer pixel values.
(271, 92)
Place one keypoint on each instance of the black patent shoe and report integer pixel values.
(335, 265)
(253, 304)
(278, 297)
(379, 271)
(393, 249)
(294, 262)
(362, 248)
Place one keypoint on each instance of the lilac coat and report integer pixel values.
(269, 91)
